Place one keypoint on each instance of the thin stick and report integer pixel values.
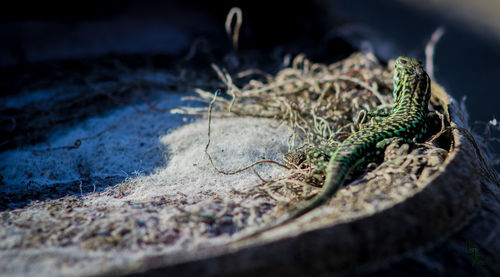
(210, 121)
(429, 51)
(208, 144)
(239, 20)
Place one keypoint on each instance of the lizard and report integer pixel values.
(406, 122)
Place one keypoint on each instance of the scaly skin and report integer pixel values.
(405, 123)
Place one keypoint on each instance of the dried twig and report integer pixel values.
(208, 144)
(234, 34)
(429, 51)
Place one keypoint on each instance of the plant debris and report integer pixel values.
(319, 103)
(323, 104)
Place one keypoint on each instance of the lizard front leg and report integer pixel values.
(366, 118)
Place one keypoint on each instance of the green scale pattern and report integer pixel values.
(406, 122)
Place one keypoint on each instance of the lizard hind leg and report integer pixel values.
(314, 157)
(381, 145)
(319, 157)
(367, 118)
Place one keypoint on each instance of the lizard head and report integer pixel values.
(405, 65)
(410, 79)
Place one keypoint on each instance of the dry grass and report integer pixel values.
(318, 102)
(321, 104)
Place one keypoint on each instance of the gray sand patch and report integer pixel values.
(152, 213)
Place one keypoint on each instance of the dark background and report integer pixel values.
(467, 59)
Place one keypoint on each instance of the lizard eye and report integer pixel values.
(403, 62)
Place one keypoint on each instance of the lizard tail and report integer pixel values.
(333, 182)
(335, 179)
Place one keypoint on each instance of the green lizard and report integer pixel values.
(405, 122)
